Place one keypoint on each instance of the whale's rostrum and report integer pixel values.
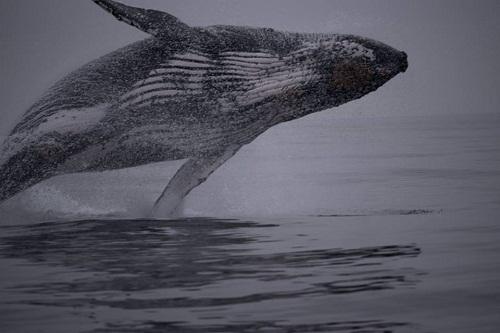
(193, 93)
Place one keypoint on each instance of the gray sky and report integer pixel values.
(453, 45)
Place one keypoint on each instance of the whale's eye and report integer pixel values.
(302, 58)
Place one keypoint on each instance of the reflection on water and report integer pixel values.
(202, 275)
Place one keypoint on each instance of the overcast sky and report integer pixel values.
(453, 45)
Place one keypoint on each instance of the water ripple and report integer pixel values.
(197, 264)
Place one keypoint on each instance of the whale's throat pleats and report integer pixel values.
(232, 79)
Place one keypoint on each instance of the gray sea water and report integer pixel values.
(331, 224)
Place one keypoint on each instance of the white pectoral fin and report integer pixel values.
(193, 173)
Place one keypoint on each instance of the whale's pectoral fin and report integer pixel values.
(154, 22)
(194, 172)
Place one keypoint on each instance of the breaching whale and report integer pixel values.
(186, 93)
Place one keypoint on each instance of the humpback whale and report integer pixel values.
(186, 93)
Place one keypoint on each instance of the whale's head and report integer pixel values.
(346, 67)
(259, 68)
(300, 73)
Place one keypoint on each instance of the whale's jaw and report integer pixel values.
(403, 67)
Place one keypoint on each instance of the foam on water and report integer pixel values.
(49, 202)
(128, 193)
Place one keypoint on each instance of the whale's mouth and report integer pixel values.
(396, 65)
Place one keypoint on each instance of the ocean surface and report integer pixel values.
(328, 224)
